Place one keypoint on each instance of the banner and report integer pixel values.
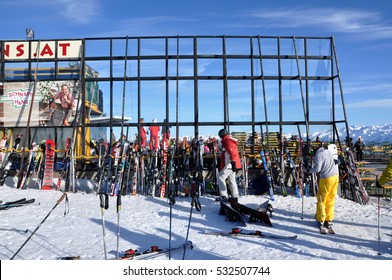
(69, 49)
(54, 103)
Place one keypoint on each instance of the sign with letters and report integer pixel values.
(21, 50)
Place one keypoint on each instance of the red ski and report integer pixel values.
(165, 146)
(47, 182)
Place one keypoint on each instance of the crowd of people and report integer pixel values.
(325, 164)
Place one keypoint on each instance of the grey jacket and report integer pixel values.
(324, 164)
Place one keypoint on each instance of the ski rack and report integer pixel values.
(314, 57)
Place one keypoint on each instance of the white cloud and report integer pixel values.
(370, 25)
(77, 11)
(80, 12)
(372, 103)
(367, 87)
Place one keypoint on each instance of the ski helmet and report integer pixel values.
(334, 150)
(222, 133)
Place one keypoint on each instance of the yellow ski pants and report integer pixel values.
(327, 190)
(386, 174)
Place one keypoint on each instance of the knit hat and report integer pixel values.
(334, 150)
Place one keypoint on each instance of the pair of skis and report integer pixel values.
(16, 203)
(154, 251)
(237, 232)
(6, 166)
(267, 170)
(27, 172)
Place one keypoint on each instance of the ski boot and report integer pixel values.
(328, 225)
(323, 229)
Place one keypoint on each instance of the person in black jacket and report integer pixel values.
(359, 147)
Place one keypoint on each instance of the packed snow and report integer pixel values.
(74, 228)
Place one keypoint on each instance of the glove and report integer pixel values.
(233, 167)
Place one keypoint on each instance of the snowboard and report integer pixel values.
(231, 214)
(254, 215)
(47, 182)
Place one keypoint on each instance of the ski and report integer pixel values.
(293, 168)
(231, 214)
(165, 147)
(215, 165)
(135, 167)
(10, 160)
(237, 232)
(153, 251)
(121, 173)
(39, 164)
(66, 159)
(28, 169)
(268, 173)
(104, 175)
(254, 215)
(114, 174)
(17, 203)
(364, 196)
(68, 258)
(3, 148)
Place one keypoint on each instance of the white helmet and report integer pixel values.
(334, 150)
(154, 120)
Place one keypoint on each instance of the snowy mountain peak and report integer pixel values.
(370, 133)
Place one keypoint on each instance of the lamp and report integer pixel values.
(29, 34)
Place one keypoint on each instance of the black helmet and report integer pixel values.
(222, 133)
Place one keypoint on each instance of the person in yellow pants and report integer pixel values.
(386, 175)
(326, 164)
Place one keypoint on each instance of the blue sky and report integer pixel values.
(362, 31)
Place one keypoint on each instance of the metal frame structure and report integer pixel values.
(258, 52)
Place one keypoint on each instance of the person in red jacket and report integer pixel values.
(154, 138)
(229, 164)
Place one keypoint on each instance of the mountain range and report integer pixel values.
(376, 134)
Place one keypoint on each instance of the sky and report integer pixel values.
(362, 31)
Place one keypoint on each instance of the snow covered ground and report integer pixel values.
(145, 221)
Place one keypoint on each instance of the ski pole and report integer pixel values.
(195, 202)
(104, 204)
(378, 220)
(64, 196)
(171, 203)
(118, 222)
